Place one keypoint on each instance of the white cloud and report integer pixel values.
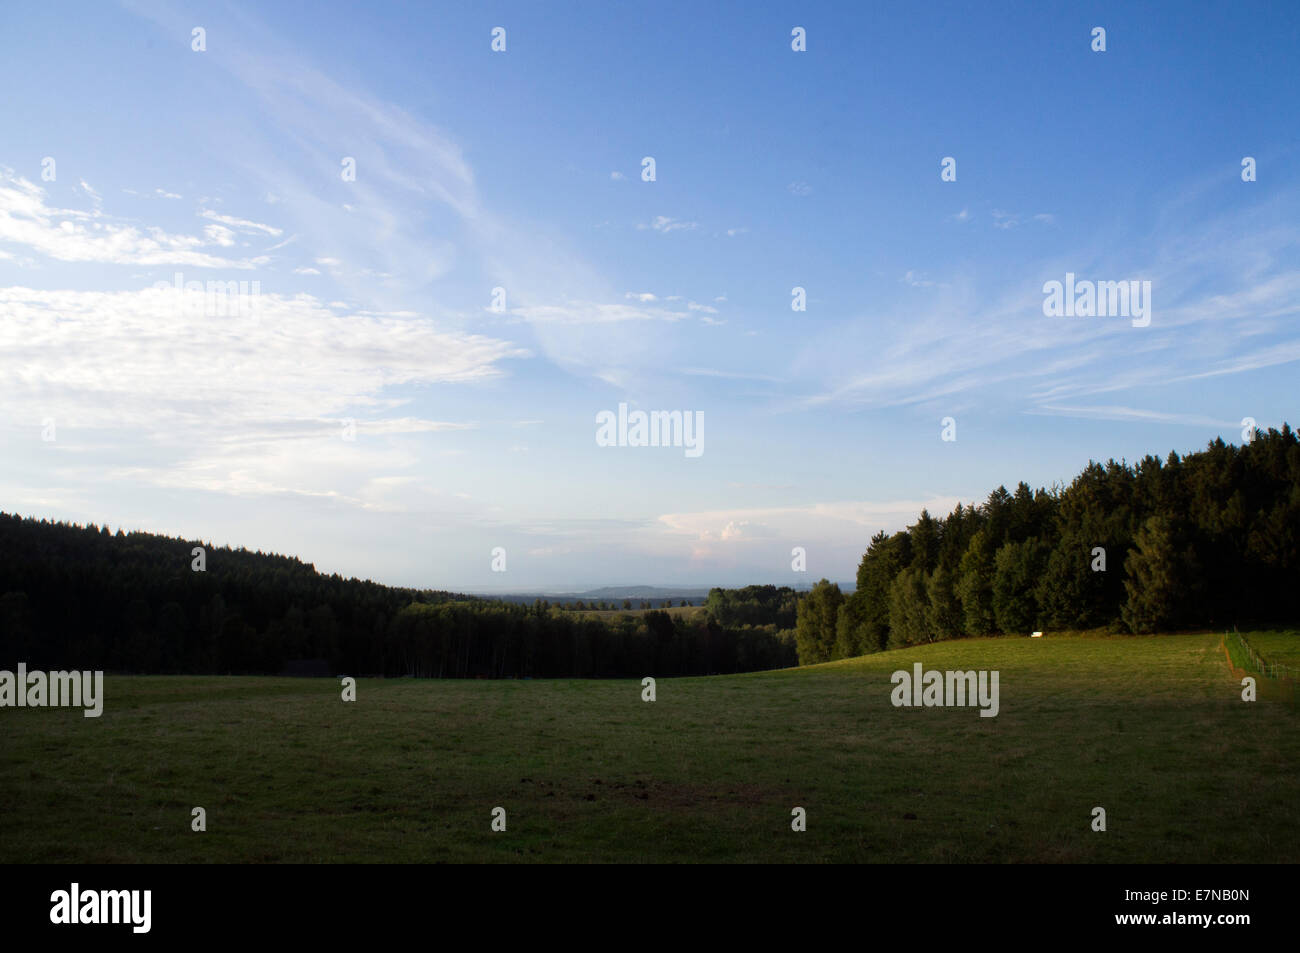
(1283, 353)
(1131, 414)
(141, 359)
(664, 225)
(712, 533)
(219, 235)
(242, 224)
(1001, 346)
(731, 375)
(735, 529)
(592, 312)
(79, 236)
(408, 425)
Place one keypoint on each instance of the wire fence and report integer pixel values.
(1270, 669)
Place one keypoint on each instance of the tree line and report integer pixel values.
(82, 597)
(1210, 539)
(460, 639)
(758, 606)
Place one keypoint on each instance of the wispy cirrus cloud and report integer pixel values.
(1130, 414)
(595, 312)
(242, 224)
(1225, 299)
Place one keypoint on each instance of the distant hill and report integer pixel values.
(657, 596)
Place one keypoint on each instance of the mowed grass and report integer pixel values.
(1153, 729)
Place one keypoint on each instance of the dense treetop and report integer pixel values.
(1212, 538)
(81, 597)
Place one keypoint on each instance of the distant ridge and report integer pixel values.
(656, 595)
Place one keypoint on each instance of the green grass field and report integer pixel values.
(1150, 728)
(1282, 647)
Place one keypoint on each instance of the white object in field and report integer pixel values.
(1037, 635)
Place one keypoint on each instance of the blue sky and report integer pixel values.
(475, 428)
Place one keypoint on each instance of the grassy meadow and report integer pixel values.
(1153, 729)
(1282, 647)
